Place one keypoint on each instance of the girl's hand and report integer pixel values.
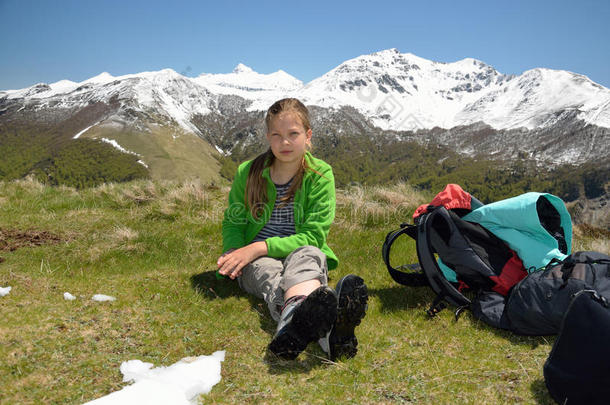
(233, 261)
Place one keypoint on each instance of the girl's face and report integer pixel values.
(288, 138)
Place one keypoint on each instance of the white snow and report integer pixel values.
(179, 384)
(85, 130)
(63, 86)
(399, 91)
(117, 146)
(262, 89)
(5, 290)
(102, 78)
(140, 161)
(102, 298)
(69, 297)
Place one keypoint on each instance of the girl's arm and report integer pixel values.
(234, 221)
(236, 256)
(231, 263)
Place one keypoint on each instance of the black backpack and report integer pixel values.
(578, 369)
(537, 304)
(481, 260)
(483, 263)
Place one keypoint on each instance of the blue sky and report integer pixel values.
(46, 41)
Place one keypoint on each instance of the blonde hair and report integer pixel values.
(256, 188)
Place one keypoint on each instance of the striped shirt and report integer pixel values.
(281, 222)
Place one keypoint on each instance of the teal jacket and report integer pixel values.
(515, 220)
(314, 212)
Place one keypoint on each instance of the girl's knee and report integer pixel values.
(308, 251)
(303, 264)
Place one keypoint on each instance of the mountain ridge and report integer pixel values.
(396, 91)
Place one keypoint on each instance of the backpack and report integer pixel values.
(481, 248)
(577, 370)
(537, 304)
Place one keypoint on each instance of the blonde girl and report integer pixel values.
(281, 207)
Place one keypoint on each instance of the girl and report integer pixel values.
(281, 206)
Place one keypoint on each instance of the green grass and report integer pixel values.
(153, 246)
(169, 152)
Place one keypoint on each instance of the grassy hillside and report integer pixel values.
(153, 246)
(50, 153)
(169, 152)
(59, 160)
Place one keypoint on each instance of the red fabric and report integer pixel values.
(512, 272)
(462, 286)
(451, 197)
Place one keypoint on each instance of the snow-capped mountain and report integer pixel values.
(391, 90)
(395, 91)
(262, 89)
(405, 92)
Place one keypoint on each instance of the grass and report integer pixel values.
(153, 246)
(169, 152)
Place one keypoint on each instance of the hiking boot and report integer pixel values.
(303, 321)
(352, 297)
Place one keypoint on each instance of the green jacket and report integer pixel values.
(314, 211)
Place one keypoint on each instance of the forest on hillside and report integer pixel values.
(356, 159)
(367, 161)
(55, 160)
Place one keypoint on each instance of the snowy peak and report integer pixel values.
(243, 77)
(399, 91)
(103, 77)
(405, 92)
(241, 68)
(261, 89)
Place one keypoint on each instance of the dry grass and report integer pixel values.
(399, 195)
(191, 191)
(140, 192)
(361, 206)
(587, 237)
(31, 184)
(124, 234)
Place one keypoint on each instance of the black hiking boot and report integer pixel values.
(341, 340)
(304, 321)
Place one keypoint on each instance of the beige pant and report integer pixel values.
(268, 278)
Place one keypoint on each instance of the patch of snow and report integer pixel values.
(102, 298)
(140, 161)
(5, 290)
(69, 297)
(179, 384)
(117, 146)
(85, 130)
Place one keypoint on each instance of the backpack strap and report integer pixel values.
(430, 273)
(412, 279)
(425, 254)
(570, 262)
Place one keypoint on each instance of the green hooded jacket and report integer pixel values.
(314, 212)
